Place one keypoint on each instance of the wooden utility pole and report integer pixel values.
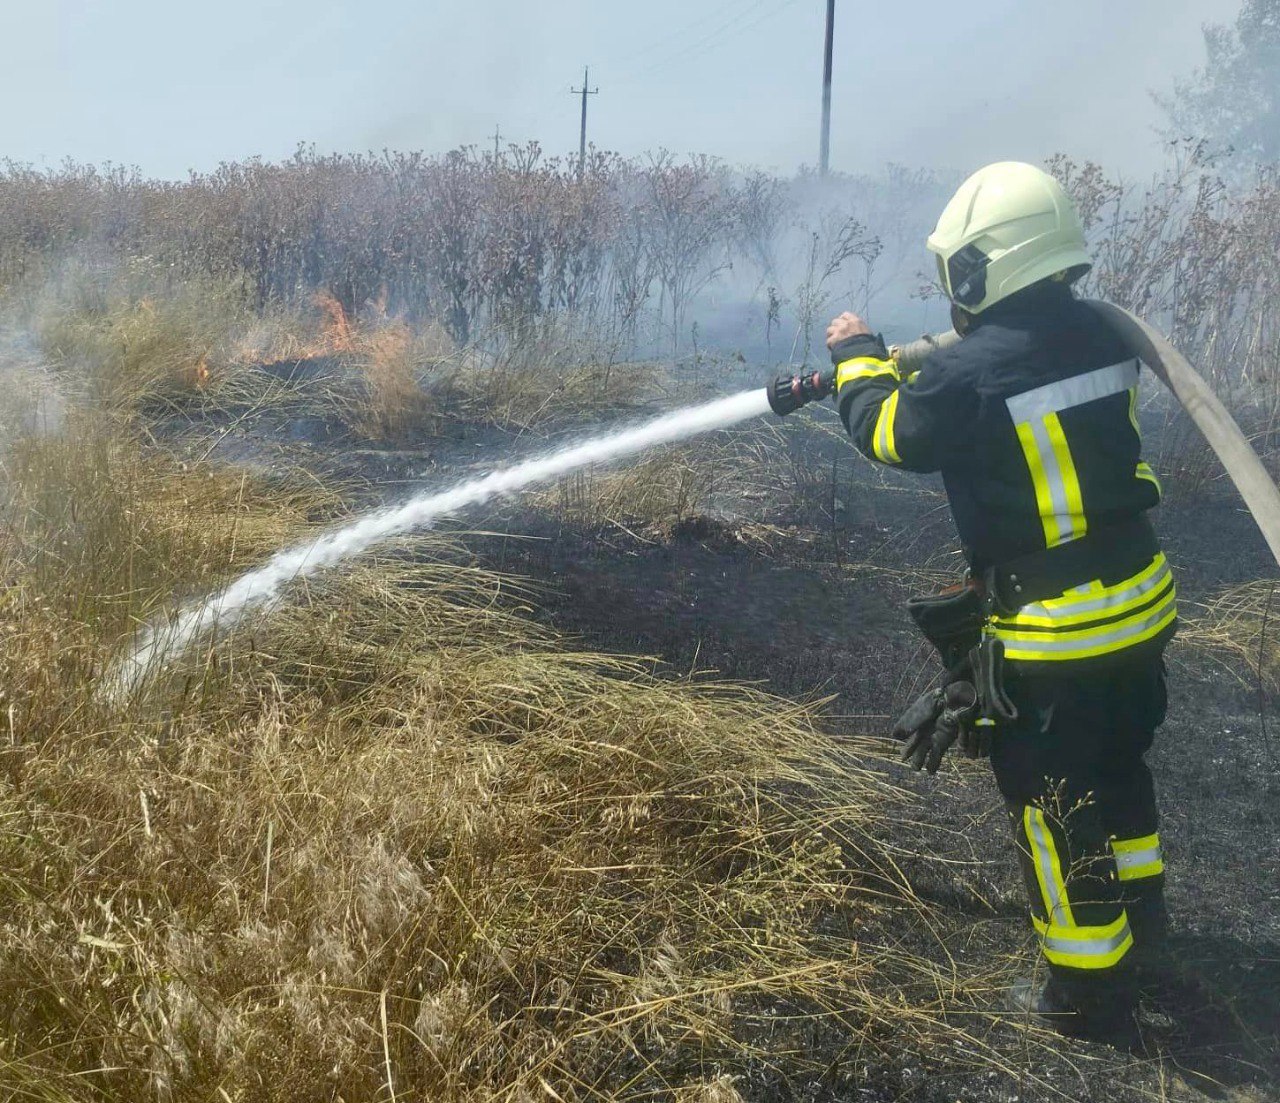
(497, 137)
(824, 153)
(585, 91)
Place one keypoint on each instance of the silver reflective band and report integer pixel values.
(1056, 483)
(1093, 640)
(1087, 947)
(1098, 604)
(1057, 906)
(1076, 391)
(1132, 858)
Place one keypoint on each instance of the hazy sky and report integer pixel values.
(170, 85)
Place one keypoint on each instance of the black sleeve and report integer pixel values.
(913, 423)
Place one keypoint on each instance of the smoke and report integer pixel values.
(260, 588)
(31, 401)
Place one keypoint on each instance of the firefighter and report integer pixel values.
(1053, 646)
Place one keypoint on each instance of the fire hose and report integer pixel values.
(1211, 417)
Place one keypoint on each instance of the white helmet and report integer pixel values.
(1009, 226)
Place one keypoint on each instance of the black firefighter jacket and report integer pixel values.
(1031, 422)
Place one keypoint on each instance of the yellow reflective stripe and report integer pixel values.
(1133, 410)
(1128, 846)
(883, 441)
(864, 367)
(1138, 872)
(1138, 858)
(1092, 603)
(1085, 947)
(1143, 471)
(1096, 598)
(1044, 851)
(1014, 629)
(1070, 480)
(1044, 499)
(1036, 647)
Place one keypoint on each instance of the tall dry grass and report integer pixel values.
(393, 840)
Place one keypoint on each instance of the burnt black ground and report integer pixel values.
(803, 594)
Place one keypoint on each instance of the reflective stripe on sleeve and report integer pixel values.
(883, 442)
(1143, 471)
(1138, 858)
(865, 367)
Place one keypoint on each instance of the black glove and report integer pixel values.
(933, 723)
(788, 393)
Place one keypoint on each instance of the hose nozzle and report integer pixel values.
(788, 393)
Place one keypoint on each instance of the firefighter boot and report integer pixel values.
(1103, 1015)
(1153, 967)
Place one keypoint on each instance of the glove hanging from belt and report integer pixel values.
(935, 721)
(972, 702)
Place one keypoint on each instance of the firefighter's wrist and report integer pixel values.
(869, 345)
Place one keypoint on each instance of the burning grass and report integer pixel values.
(394, 840)
(198, 354)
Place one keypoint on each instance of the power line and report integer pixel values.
(677, 35)
(725, 32)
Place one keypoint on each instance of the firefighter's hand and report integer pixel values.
(846, 326)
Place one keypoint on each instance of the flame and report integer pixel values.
(337, 336)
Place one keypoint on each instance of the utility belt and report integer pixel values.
(965, 623)
(1110, 554)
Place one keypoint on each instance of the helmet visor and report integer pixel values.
(967, 276)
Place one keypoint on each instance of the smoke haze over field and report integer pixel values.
(172, 87)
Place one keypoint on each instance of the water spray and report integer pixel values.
(261, 588)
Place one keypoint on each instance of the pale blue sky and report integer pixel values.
(171, 85)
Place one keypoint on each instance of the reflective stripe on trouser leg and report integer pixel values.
(1065, 941)
(1138, 858)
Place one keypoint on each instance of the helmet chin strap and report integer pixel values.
(961, 319)
(1196, 396)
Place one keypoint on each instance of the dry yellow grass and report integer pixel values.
(393, 839)
(667, 485)
(1238, 629)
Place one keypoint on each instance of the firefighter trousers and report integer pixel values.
(1084, 815)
